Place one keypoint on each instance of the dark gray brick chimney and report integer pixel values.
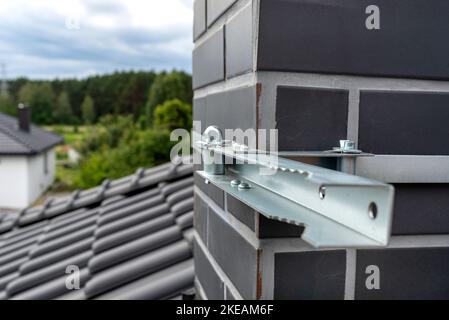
(24, 117)
(315, 72)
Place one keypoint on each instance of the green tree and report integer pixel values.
(7, 106)
(14, 87)
(134, 95)
(169, 86)
(173, 114)
(120, 93)
(144, 149)
(40, 97)
(26, 92)
(88, 110)
(107, 133)
(76, 89)
(63, 112)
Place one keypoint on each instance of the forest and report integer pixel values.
(81, 101)
(117, 123)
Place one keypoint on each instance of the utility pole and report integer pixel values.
(4, 81)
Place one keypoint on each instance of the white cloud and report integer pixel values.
(102, 36)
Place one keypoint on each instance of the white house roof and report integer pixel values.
(17, 142)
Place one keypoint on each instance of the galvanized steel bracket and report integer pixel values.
(338, 210)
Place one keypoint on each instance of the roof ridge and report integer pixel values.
(35, 141)
(137, 246)
(32, 125)
(16, 138)
(82, 198)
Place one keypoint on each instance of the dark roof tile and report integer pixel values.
(165, 284)
(51, 289)
(114, 215)
(182, 207)
(62, 242)
(20, 235)
(129, 221)
(112, 200)
(121, 235)
(169, 189)
(9, 145)
(12, 256)
(133, 232)
(134, 248)
(137, 268)
(11, 267)
(189, 235)
(64, 229)
(16, 142)
(17, 245)
(55, 256)
(185, 221)
(72, 295)
(46, 274)
(5, 280)
(180, 195)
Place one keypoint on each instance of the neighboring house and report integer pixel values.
(130, 239)
(27, 160)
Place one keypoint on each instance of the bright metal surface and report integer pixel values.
(338, 210)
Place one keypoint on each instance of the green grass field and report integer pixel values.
(71, 134)
(65, 179)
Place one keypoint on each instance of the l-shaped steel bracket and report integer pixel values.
(337, 210)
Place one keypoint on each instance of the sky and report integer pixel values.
(45, 39)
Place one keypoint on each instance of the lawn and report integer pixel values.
(66, 173)
(72, 134)
(65, 178)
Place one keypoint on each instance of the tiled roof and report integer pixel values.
(16, 142)
(131, 239)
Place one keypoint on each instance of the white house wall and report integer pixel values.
(13, 182)
(38, 180)
(23, 179)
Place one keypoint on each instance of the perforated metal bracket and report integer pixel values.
(338, 210)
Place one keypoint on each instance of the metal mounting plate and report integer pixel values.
(338, 210)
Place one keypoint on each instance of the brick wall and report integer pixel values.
(312, 70)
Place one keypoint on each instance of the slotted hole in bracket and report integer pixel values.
(372, 211)
(322, 192)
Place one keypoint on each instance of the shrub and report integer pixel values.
(142, 149)
(172, 115)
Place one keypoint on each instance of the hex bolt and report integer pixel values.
(244, 186)
(347, 145)
(235, 183)
(214, 164)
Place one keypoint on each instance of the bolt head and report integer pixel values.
(347, 145)
(244, 186)
(235, 183)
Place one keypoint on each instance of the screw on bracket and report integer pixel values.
(235, 183)
(244, 186)
(213, 163)
(347, 146)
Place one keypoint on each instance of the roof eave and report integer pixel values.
(31, 152)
